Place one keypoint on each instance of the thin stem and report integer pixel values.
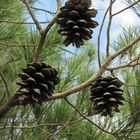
(44, 33)
(125, 8)
(42, 39)
(130, 64)
(33, 16)
(39, 9)
(39, 48)
(66, 124)
(77, 110)
(99, 35)
(108, 29)
(122, 66)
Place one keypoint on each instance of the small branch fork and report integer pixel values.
(42, 32)
(42, 39)
(33, 16)
(132, 63)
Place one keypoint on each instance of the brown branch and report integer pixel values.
(130, 64)
(125, 8)
(59, 4)
(33, 16)
(77, 110)
(99, 35)
(108, 29)
(39, 9)
(44, 33)
(42, 39)
(122, 66)
(21, 22)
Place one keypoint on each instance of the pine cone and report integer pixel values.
(107, 95)
(38, 81)
(76, 23)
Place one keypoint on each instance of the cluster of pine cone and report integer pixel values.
(38, 80)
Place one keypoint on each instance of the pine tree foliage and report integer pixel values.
(57, 118)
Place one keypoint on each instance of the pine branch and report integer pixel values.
(44, 33)
(33, 16)
(108, 29)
